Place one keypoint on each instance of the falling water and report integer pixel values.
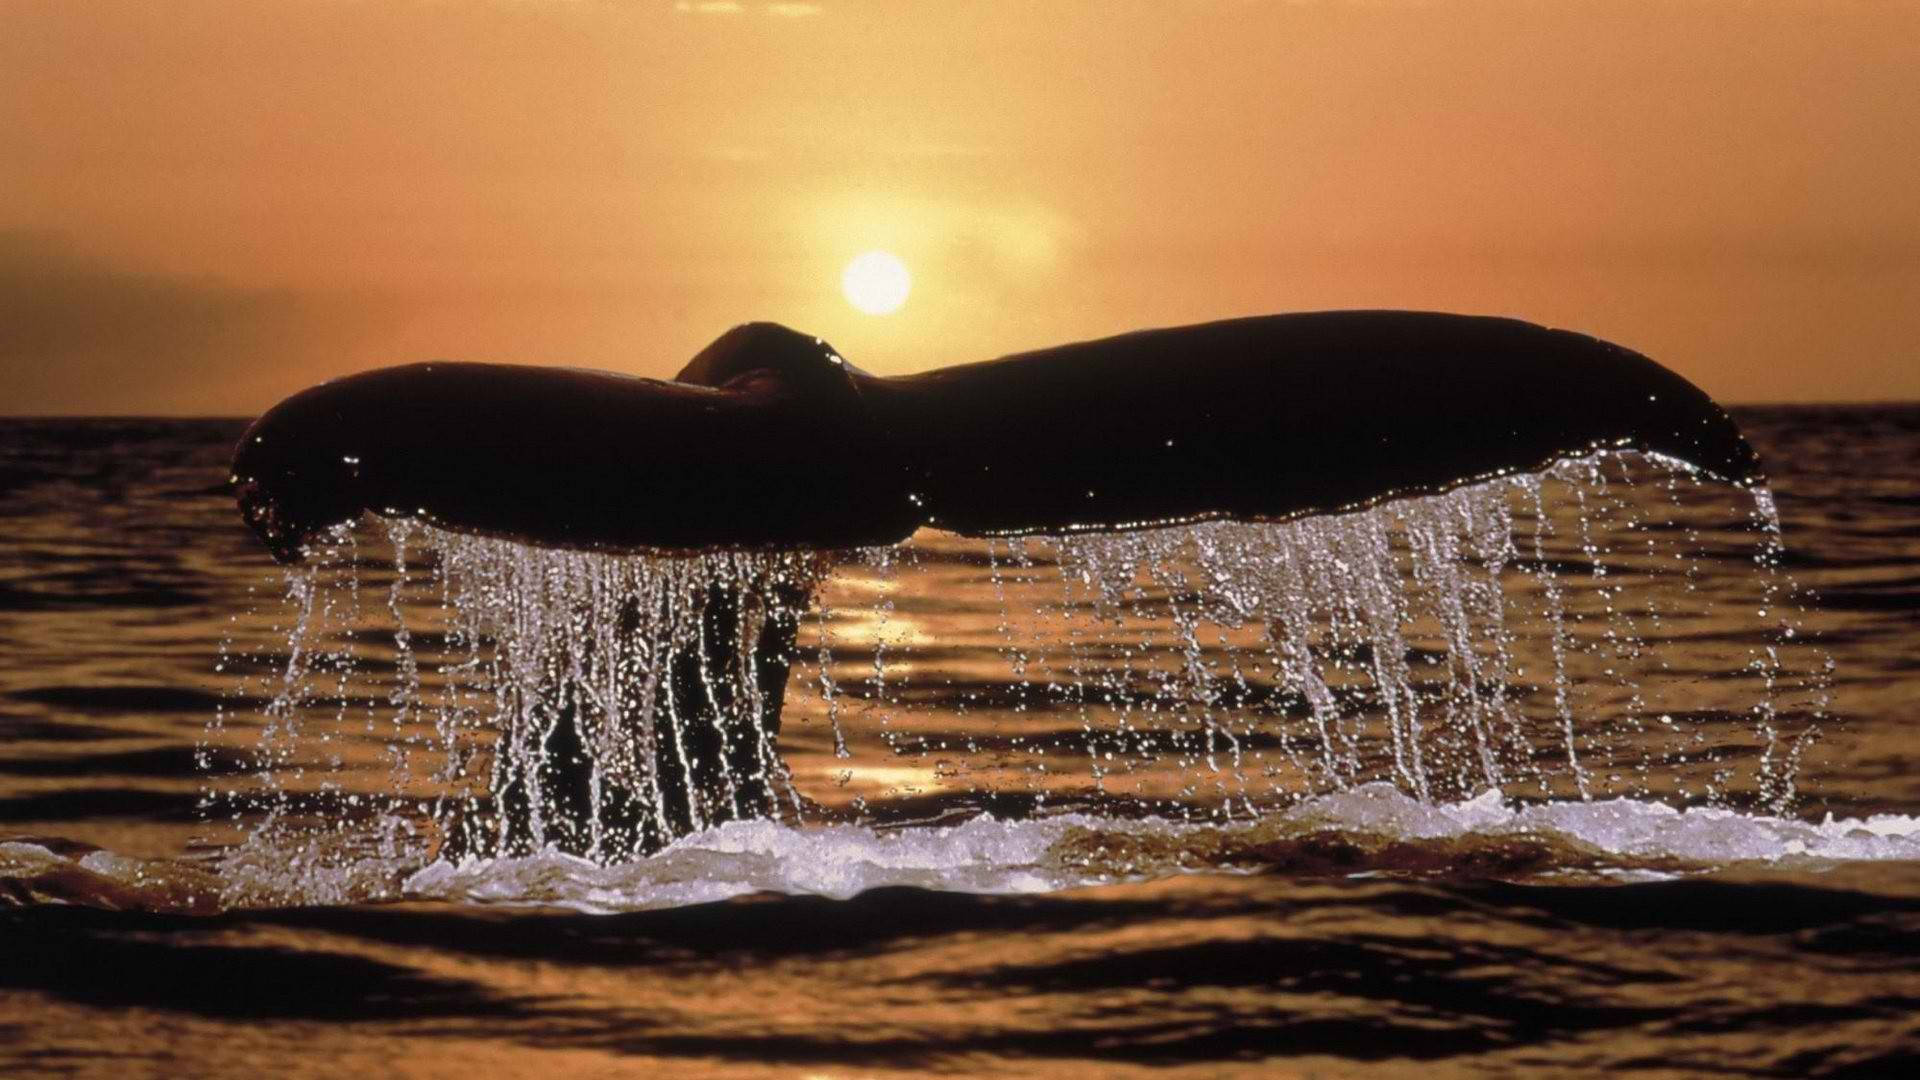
(443, 694)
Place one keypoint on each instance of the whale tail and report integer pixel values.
(770, 440)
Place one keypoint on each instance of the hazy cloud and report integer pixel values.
(921, 148)
(737, 155)
(786, 10)
(77, 329)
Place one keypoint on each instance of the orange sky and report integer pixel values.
(205, 206)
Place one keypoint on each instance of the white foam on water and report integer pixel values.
(985, 855)
(1631, 828)
(1623, 838)
(982, 855)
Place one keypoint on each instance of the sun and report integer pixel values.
(876, 282)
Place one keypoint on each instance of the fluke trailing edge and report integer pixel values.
(769, 439)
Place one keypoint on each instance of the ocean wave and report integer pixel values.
(1368, 831)
(1371, 829)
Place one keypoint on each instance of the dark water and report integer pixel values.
(1350, 932)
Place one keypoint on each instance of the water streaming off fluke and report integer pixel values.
(476, 703)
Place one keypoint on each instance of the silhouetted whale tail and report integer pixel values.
(769, 439)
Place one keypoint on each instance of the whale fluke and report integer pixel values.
(770, 440)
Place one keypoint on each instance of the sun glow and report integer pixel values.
(876, 282)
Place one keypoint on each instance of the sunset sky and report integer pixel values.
(207, 205)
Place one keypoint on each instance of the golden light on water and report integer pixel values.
(876, 282)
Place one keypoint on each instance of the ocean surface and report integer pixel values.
(1046, 815)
